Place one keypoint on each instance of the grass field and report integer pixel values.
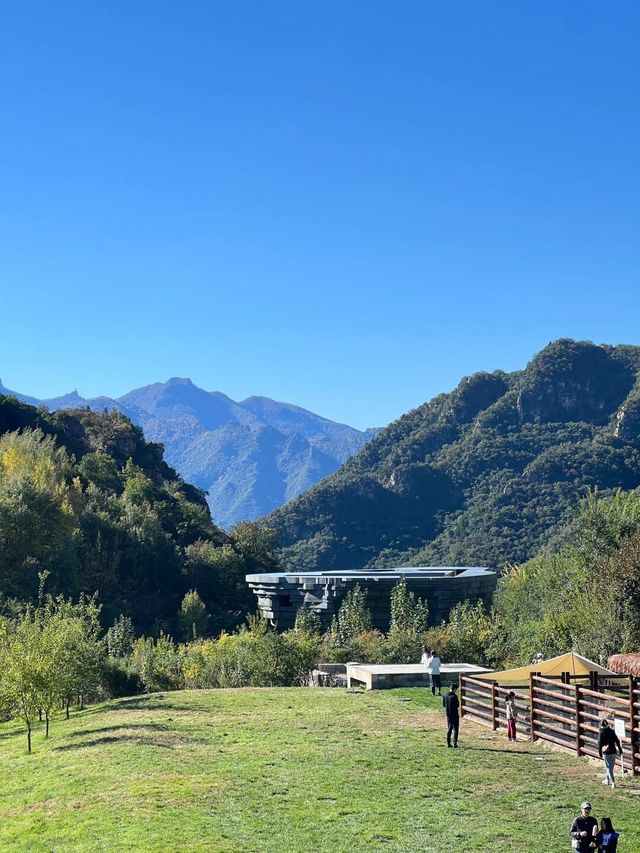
(290, 770)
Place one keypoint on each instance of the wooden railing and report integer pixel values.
(560, 712)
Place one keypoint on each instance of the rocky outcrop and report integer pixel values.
(573, 381)
(627, 425)
(475, 394)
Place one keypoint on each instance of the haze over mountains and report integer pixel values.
(250, 456)
(488, 474)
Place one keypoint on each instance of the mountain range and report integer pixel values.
(488, 474)
(250, 456)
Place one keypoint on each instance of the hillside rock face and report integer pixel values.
(486, 475)
(574, 382)
(250, 457)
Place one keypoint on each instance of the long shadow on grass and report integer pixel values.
(152, 703)
(498, 749)
(139, 703)
(111, 739)
(157, 727)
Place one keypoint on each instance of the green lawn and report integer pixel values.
(290, 770)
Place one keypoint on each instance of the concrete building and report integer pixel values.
(282, 594)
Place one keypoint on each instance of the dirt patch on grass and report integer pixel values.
(29, 808)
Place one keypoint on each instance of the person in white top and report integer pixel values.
(432, 662)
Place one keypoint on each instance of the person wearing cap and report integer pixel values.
(608, 746)
(584, 830)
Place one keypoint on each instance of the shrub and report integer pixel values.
(157, 663)
(118, 679)
(254, 657)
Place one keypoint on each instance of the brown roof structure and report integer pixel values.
(627, 664)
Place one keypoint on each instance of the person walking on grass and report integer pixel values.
(584, 830)
(425, 660)
(452, 707)
(512, 715)
(607, 838)
(608, 747)
(434, 673)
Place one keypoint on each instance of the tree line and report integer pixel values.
(50, 655)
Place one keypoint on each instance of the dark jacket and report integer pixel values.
(584, 824)
(451, 704)
(607, 841)
(608, 742)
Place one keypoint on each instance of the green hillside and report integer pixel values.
(294, 770)
(487, 474)
(87, 501)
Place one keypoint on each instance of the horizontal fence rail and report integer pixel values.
(565, 710)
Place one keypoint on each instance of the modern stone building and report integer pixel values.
(282, 594)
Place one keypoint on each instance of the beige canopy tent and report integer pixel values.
(570, 662)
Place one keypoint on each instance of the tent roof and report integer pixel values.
(570, 662)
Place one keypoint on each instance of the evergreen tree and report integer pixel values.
(354, 616)
(193, 617)
(408, 612)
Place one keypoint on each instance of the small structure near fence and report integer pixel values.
(628, 664)
(381, 676)
(564, 709)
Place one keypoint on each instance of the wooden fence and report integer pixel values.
(564, 713)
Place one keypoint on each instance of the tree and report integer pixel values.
(218, 572)
(120, 637)
(193, 617)
(354, 616)
(470, 633)
(101, 469)
(38, 506)
(408, 623)
(307, 621)
(257, 543)
(21, 662)
(408, 612)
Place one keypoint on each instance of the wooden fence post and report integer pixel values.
(494, 708)
(461, 690)
(634, 722)
(578, 726)
(532, 714)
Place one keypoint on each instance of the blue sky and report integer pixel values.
(344, 205)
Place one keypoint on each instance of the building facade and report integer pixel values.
(282, 594)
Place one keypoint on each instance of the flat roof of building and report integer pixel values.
(374, 575)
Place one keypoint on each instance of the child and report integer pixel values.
(607, 838)
(512, 715)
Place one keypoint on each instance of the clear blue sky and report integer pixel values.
(344, 205)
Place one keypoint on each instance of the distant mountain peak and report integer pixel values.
(180, 380)
(250, 456)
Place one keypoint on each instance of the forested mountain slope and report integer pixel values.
(86, 500)
(250, 457)
(485, 475)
